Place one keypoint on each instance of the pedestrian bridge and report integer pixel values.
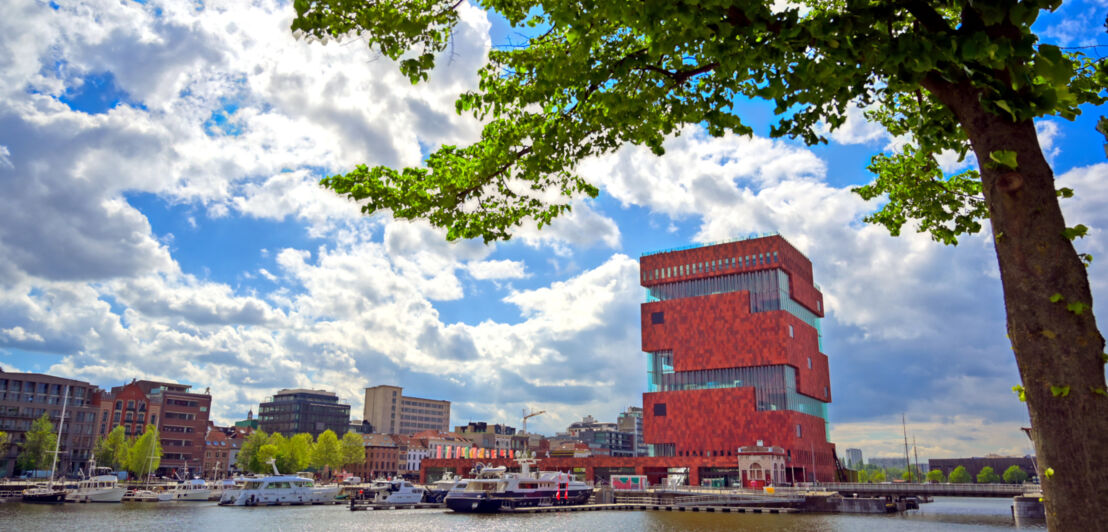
(904, 489)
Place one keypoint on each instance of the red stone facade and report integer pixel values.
(719, 331)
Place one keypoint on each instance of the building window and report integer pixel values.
(119, 405)
(790, 331)
(799, 434)
(809, 362)
(825, 394)
(660, 409)
(657, 317)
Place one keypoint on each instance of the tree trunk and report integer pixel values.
(1056, 346)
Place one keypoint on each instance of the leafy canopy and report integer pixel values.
(145, 454)
(596, 75)
(353, 448)
(38, 443)
(935, 475)
(960, 476)
(987, 476)
(113, 450)
(1015, 475)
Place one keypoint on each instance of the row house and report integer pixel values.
(25, 397)
(180, 416)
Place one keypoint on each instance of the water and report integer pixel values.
(962, 514)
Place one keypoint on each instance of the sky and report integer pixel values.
(161, 218)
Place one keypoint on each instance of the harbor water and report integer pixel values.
(963, 514)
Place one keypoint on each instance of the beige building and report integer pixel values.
(390, 412)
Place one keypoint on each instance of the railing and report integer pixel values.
(904, 488)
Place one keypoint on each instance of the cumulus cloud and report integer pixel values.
(497, 269)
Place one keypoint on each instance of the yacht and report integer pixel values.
(395, 492)
(146, 495)
(278, 489)
(101, 486)
(439, 488)
(191, 490)
(494, 488)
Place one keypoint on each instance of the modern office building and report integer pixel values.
(854, 459)
(732, 336)
(630, 421)
(292, 412)
(180, 416)
(389, 411)
(25, 397)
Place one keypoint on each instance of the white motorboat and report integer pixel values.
(191, 490)
(101, 486)
(148, 496)
(439, 488)
(395, 492)
(278, 489)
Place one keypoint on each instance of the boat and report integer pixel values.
(191, 490)
(278, 489)
(101, 486)
(395, 491)
(48, 494)
(145, 495)
(439, 488)
(494, 488)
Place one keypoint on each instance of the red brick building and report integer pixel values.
(180, 416)
(381, 458)
(732, 336)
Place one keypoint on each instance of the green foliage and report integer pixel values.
(986, 476)
(960, 476)
(113, 450)
(604, 74)
(1015, 475)
(935, 475)
(327, 451)
(298, 452)
(877, 476)
(38, 443)
(145, 454)
(248, 455)
(1021, 392)
(863, 476)
(1060, 391)
(353, 448)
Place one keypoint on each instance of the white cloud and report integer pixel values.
(857, 129)
(497, 269)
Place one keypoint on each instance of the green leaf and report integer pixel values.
(1055, 298)
(1021, 392)
(1098, 391)
(1077, 307)
(1060, 391)
(1048, 472)
(1005, 158)
(1077, 231)
(1065, 192)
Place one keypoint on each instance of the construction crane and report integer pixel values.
(526, 415)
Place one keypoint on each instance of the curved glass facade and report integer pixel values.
(774, 386)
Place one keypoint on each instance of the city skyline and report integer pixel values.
(161, 220)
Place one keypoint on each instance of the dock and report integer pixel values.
(648, 507)
(356, 505)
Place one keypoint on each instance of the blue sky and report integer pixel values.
(161, 219)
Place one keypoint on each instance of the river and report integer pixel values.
(946, 513)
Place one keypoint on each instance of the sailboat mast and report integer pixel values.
(58, 440)
(907, 460)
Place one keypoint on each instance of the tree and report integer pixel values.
(247, 459)
(863, 476)
(877, 476)
(952, 76)
(935, 475)
(145, 454)
(1015, 475)
(113, 450)
(327, 452)
(959, 476)
(38, 443)
(353, 448)
(5, 442)
(298, 449)
(987, 476)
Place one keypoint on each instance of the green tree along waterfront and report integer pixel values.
(959, 76)
(987, 476)
(38, 442)
(145, 454)
(113, 450)
(299, 452)
(935, 475)
(1015, 475)
(960, 476)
